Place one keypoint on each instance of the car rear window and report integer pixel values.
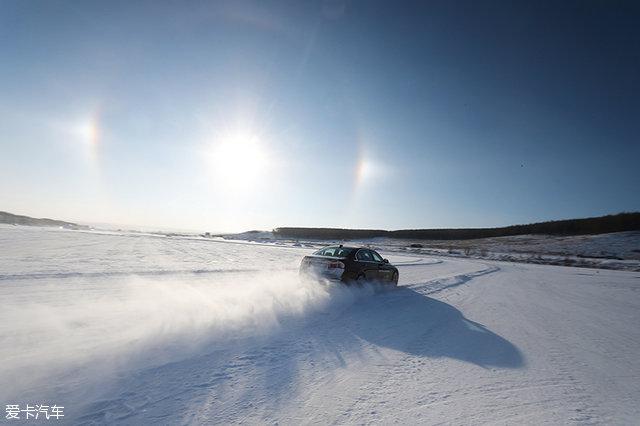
(343, 252)
(334, 252)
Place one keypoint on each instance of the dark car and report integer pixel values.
(349, 265)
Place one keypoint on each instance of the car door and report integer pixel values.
(384, 270)
(368, 267)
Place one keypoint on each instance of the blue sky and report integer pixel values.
(233, 115)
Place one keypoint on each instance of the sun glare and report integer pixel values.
(87, 132)
(368, 170)
(83, 135)
(239, 161)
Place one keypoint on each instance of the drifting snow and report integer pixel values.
(142, 329)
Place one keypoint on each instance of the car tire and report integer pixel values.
(394, 279)
(361, 280)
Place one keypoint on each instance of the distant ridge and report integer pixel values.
(12, 219)
(589, 226)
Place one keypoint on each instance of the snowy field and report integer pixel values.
(142, 329)
(618, 250)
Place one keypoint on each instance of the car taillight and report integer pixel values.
(336, 265)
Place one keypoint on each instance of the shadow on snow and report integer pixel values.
(219, 383)
(408, 321)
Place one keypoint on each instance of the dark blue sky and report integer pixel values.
(233, 115)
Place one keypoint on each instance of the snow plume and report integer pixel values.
(110, 325)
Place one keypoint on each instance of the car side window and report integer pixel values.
(376, 256)
(364, 256)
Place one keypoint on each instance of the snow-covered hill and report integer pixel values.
(141, 329)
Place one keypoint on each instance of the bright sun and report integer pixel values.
(239, 161)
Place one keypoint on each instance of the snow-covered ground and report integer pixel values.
(144, 329)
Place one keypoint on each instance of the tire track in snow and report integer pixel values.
(439, 284)
(419, 262)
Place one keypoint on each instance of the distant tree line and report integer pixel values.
(593, 225)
